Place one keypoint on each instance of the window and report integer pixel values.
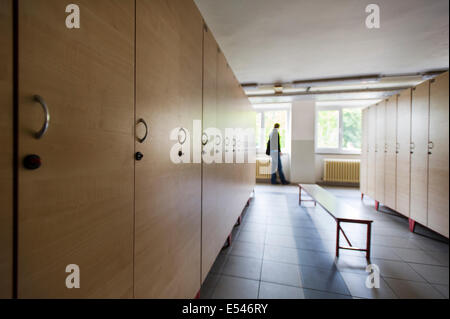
(338, 130)
(328, 129)
(266, 117)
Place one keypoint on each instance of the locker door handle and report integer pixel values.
(204, 139)
(142, 121)
(182, 136)
(44, 128)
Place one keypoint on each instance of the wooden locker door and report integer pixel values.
(6, 145)
(380, 151)
(372, 118)
(77, 208)
(250, 165)
(364, 152)
(403, 148)
(438, 188)
(419, 153)
(224, 178)
(169, 54)
(212, 241)
(391, 154)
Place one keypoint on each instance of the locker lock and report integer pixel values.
(139, 156)
(32, 162)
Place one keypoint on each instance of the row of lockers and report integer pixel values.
(405, 153)
(96, 187)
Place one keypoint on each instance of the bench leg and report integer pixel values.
(362, 196)
(368, 244)
(300, 196)
(338, 230)
(412, 225)
(377, 205)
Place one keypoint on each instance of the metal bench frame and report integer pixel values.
(339, 228)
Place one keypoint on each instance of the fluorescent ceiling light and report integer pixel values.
(348, 103)
(272, 106)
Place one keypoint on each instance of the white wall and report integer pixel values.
(302, 142)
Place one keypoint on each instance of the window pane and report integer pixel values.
(351, 140)
(258, 130)
(328, 129)
(272, 117)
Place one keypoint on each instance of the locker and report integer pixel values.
(419, 153)
(77, 207)
(380, 150)
(212, 234)
(438, 163)
(372, 118)
(403, 170)
(169, 53)
(364, 152)
(6, 145)
(390, 168)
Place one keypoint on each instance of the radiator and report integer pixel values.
(341, 170)
(263, 168)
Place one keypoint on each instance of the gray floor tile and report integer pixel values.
(384, 252)
(440, 256)
(281, 240)
(316, 259)
(317, 294)
(275, 291)
(431, 245)
(413, 290)
(352, 264)
(209, 285)
(254, 227)
(443, 289)
(432, 274)
(251, 237)
(415, 256)
(322, 279)
(236, 288)
(356, 283)
(394, 242)
(244, 249)
(249, 268)
(281, 254)
(285, 274)
(219, 263)
(396, 270)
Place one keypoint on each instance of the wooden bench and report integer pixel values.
(341, 212)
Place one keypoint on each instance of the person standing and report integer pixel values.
(274, 150)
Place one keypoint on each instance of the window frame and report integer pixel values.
(339, 149)
(261, 110)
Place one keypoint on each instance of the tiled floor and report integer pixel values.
(282, 250)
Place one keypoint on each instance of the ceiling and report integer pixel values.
(279, 41)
